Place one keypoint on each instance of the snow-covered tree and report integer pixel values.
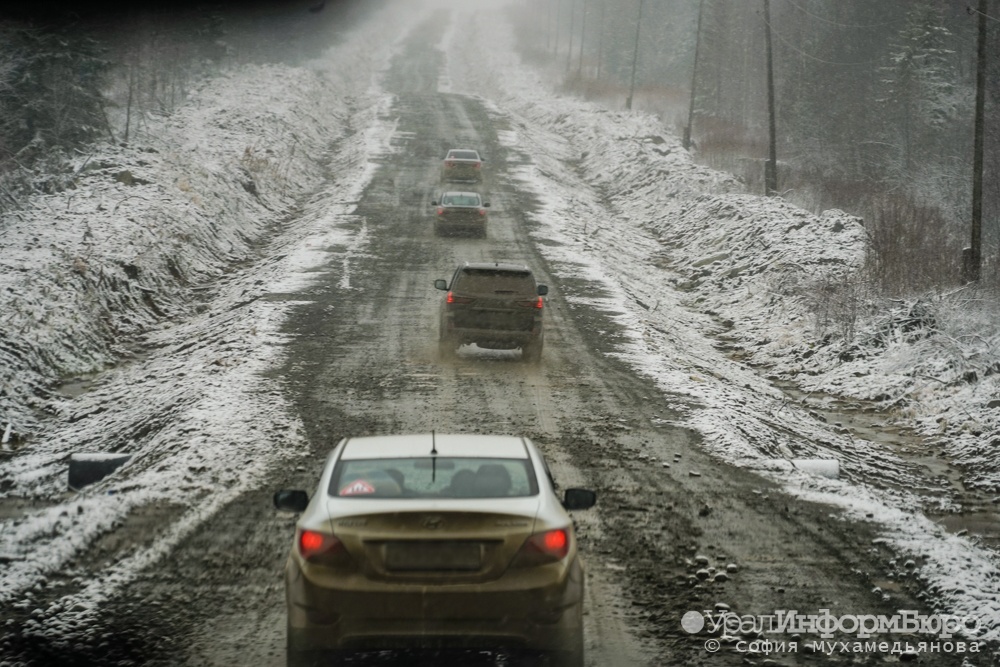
(918, 91)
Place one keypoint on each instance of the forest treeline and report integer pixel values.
(874, 106)
(75, 73)
(873, 100)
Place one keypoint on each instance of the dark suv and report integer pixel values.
(496, 306)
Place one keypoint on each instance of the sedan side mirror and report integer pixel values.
(291, 501)
(543, 290)
(441, 283)
(579, 499)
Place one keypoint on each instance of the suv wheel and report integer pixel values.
(532, 352)
(447, 348)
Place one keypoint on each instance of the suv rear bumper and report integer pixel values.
(491, 338)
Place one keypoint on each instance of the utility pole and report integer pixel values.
(569, 53)
(694, 77)
(548, 26)
(558, 12)
(771, 167)
(635, 57)
(600, 43)
(583, 33)
(972, 260)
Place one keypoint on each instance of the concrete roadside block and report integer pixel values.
(85, 469)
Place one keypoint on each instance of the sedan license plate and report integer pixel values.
(409, 556)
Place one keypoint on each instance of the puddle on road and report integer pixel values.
(287, 297)
(76, 386)
(980, 511)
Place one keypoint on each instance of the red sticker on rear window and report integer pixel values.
(357, 488)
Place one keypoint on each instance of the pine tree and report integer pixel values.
(918, 93)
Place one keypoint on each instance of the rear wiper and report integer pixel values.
(504, 291)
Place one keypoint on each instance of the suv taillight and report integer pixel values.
(478, 165)
(452, 299)
(534, 303)
(449, 163)
(541, 548)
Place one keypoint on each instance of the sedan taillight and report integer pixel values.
(317, 547)
(478, 165)
(541, 548)
(440, 211)
(482, 211)
(449, 163)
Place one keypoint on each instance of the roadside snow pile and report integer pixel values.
(930, 364)
(83, 270)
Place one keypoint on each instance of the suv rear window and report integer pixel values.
(493, 280)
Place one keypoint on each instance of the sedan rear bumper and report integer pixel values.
(486, 615)
(443, 225)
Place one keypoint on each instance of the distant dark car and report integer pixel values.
(460, 212)
(496, 306)
(462, 164)
(428, 540)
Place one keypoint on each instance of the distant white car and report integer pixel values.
(435, 540)
(462, 212)
(462, 164)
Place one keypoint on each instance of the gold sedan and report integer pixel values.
(433, 541)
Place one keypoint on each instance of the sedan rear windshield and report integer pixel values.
(460, 200)
(463, 155)
(495, 281)
(433, 477)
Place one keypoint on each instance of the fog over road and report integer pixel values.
(361, 358)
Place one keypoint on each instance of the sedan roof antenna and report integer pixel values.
(434, 453)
